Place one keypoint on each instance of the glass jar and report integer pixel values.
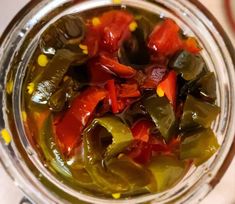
(16, 48)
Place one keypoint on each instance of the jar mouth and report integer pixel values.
(19, 42)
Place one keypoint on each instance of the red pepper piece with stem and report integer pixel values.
(168, 86)
(70, 127)
(165, 39)
(114, 66)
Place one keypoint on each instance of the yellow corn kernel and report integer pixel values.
(6, 136)
(30, 88)
(42, 60)
(24, 116)
(116, 195)
(160, 92)
(117, 1)
(9, 87)
(96, 21)
(133, 26)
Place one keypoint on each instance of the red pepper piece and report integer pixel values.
(141, 130)
(155, 74)
(117, 68)
(158, 145)
(112, 95)
(98, 75)
(116, 28)
(168, 85)
(70, 127)
(165, 38)
(129, 91)
(141, 152)
(191, 45)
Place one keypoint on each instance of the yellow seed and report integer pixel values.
(160, 92)
(83, 47)
(42, 60)
(85, 52)
(24, 116)
(116, 195)
(133, 26)
(117, 1)
(96, 21)
(6, 136)
(30, 88)
(9, 87)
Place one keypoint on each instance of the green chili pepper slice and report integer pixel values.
(199, 145)
(162, 113)
(187, 64)
(50, 150)
(167, 170)
(197, 113)
(48, 82)
(206, 87)
(120, 133)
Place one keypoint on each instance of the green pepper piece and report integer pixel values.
(162, 113)
(197, 113)
(65, 92)
(47, 83)
(133, 173)
(187, 64)
(68, 30)
(134, 51)
(167, 170)
(206, 87)
(200, 145)
(50, 150)
(120, 133)
(106, 180)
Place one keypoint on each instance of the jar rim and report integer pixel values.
(199, 6)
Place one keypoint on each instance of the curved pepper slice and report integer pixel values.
(167, 170)
(198, 113)
(50, 150)
(199, 145)
(117, 68)
(69, 129)
(162, 113)
(120, 133)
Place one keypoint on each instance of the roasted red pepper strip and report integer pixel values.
(112, 95)
(165, 39)
(191, 45)
(141, 130)
(98, 75)
(69, 128)
(109, 34)
(117, 68)
(115, 28)
(168, 86)
(141, 152)
(129, 91)
(155, 75)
